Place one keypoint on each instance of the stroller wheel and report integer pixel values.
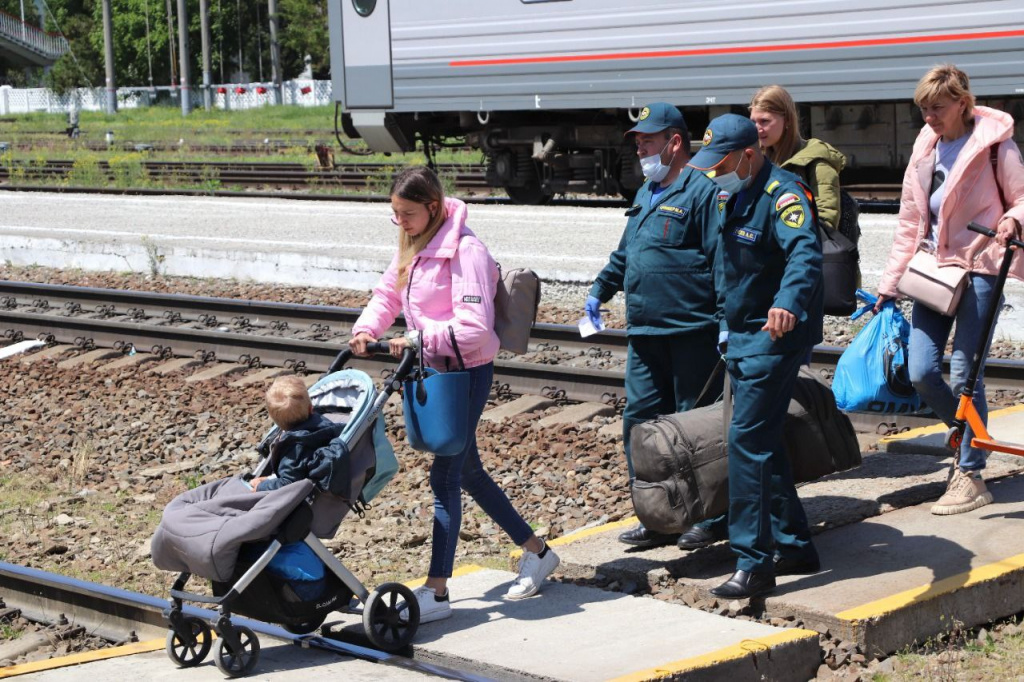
(382, 618)
(186, 654)
(241, 662)
(305, 627)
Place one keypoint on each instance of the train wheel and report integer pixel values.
(241, 662)
(531, 195)
(382, 619)
(186, 654)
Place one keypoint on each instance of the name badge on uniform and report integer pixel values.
(746, 235)
(678, 211)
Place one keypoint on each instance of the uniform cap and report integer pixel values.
(724, 135)
(656, 117)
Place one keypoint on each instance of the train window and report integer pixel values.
(364, 8)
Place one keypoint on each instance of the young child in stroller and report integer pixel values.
(260, 548)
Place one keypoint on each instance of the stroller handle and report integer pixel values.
(405, 363)
(981, 229)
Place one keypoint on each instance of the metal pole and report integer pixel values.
(183, 58)
(204, 23)
(275, 54)
(170, 45)
(108, 57)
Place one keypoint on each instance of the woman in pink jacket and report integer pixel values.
(952, 180)
(443, 277)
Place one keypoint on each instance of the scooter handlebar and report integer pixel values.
(981, 229)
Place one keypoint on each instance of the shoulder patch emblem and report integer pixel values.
(793, 216)
(707, 137)
(723, 198)
(674, 210)
(771, 187)
(785, 200)
(644, 113)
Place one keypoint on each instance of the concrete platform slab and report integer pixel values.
(127, 361)
(574, 414)
(175, 365)
(278, 661)
(1006, 424)
(221, 369)
(263, 375)
(521, 405)
(89, 357)
(53, 352)
(570, 632)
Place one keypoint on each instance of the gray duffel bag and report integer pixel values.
(681, 460)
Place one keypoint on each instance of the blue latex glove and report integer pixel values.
(593, 309)
(723, 342)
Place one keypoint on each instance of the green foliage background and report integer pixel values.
(239, 30)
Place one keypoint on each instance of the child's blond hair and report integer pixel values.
(288, 402)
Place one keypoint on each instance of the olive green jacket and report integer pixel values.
(818, 164)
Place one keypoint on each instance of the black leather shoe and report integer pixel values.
(697, 537)
(744, 585)
(804, 566)
(638, 536)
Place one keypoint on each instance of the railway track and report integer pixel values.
(120, 615)
(878, 198)
(560, 365)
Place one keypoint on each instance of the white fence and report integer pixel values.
(236, 96)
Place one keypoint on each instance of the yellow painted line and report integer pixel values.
(84, 657)
(942, 428)
(730, 653)
(573, 537)
(938, 588)
(461, 570)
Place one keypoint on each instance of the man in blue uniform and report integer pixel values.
(769, 260)
(664, 266)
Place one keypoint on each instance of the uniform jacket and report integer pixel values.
(663, 262)
(770, 257)
(296, 450)
(818, 164)
(452, 283)
(971, 195)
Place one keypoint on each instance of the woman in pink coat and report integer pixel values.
(965, 167)
(444, 278)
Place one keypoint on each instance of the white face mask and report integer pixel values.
(732, 182)
(652, 166)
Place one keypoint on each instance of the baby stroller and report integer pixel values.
(225, 532)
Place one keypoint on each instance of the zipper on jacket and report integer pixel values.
(408, 292)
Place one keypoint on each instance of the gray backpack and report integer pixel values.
(515, 308)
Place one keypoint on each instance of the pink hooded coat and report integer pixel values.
(452, 282)
(971, 195)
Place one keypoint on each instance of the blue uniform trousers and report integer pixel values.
(765, 514)
(665, 375)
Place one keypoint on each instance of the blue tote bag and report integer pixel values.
(872, 374)
(436, 407)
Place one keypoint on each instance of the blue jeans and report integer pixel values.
(929, 332)
(449, 476)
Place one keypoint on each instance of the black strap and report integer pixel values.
(455, 347)
(711, 379)
(993, 155)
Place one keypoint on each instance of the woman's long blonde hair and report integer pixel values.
(776, 100)
(421, 185)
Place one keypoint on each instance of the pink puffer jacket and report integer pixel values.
(451, 283)
(971, 195)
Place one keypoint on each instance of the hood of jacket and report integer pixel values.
(446, 242)
(316, 431)
(816, 150)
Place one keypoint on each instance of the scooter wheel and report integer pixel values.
(390, 626)
(954, 438)
(192, 649)
(237, 663)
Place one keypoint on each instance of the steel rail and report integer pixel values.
(113, 613)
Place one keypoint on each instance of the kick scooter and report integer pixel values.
(966, 413)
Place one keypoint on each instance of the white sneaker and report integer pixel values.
(965, 491)
(533, 569)
(431, 607)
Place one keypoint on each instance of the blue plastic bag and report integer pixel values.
(437, 412)
(872, 374)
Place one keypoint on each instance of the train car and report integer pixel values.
(546, 88)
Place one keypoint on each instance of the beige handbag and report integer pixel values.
(937, 288)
